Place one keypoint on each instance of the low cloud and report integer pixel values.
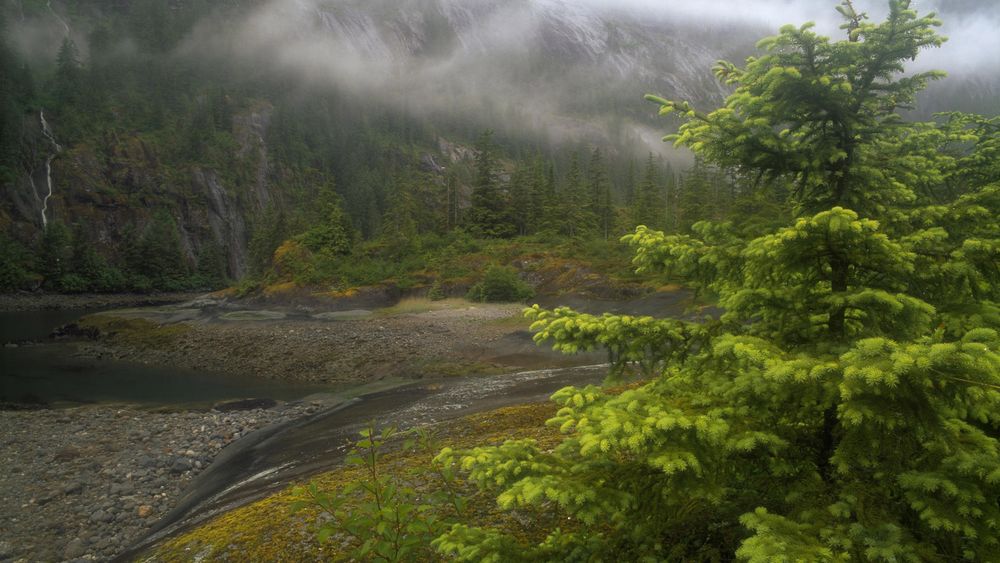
(971, 26)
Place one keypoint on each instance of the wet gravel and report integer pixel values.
(85, 483)
(332, 351)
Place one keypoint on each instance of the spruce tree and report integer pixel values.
(846, 406)
(649, 205)
(487, 215)
(599, 188)
(574, 203)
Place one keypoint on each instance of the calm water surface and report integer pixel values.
(51, 373)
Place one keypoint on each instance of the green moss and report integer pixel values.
(134, 332)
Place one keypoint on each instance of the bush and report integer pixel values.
(436, 293)
(15, 265)
(72, 283)
(500, 285)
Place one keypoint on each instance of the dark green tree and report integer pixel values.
(649, 207)
(488, 213)
(599, 188)
(331, 233)
(842, 408)
(56, 252)
(521, 193)
(157, 257)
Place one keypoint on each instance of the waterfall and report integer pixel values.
(58, 17)
(48, 167)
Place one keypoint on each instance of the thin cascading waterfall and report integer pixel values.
(48, 167)
(58, 17)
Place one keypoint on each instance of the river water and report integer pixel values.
(50, 373)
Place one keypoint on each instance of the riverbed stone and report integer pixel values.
(106, 498)
(75, 548)
(73, 488)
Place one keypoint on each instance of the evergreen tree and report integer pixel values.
(269, 229)
(399, 225)
(650, 204)
(702, 194)
(157, 257)
(488, 213)
(573, 202)
(16, 95)
(629, 189)
(212, 264)
(599, 188)
(331, 233)
(55, 253)
(16, 265)
(537, 195)
(521, 209)
(551, 209)
(847, 404)
(69, 71)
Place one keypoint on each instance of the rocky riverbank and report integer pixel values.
(85, 483)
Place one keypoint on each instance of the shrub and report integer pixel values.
(436, 293)
(499, 285)
(387, 514)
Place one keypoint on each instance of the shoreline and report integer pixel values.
(21, 302)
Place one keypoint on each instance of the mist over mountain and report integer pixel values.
(564, 68)
(219, 113)
(557, 65)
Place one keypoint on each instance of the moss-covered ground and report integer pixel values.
(267, 531)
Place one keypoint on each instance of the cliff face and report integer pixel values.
(109, 190)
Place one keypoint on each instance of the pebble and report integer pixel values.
(88, 482)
